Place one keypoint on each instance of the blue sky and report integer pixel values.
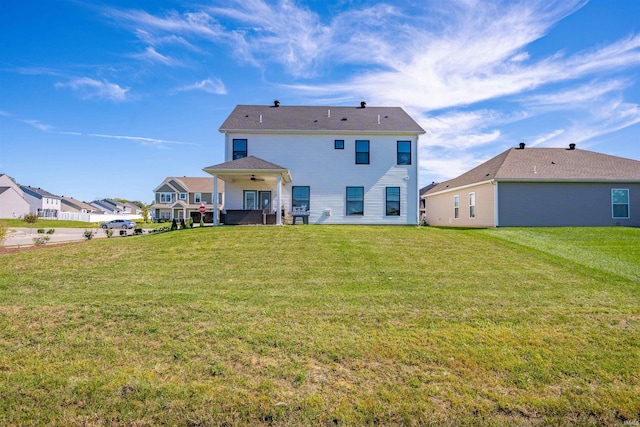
(106, 99)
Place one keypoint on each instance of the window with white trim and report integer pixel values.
(197, 197)
(620, 203)
(183, 196)
(165, 197)
(456, 207)
(472, 205)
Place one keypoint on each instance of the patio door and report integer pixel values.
(250, 200)
(265, 201)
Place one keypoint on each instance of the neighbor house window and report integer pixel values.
(472, 205)
(393, 201)
(197, 197)
(456, 206)
(404, 152)
(220, 201)
(620, 203)
(250, 199)
(165, 197)
(300, 197)
(239, 148)
(362, 152)
(183, 196)
(355, 200)
(338, 144)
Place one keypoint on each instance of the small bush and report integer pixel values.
(30, 218)
(88, 234)
(40, 230)
(108, 232)
(51, 231)
(40, 240)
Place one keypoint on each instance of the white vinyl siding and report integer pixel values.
(328, 172)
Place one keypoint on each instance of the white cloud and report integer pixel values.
(40, 126)
(90, 88)
(151, 55)
(213, 86)
(141, 139)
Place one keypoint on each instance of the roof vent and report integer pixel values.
(363, 104)
(522, 144)
(572, 146)
(276, 103)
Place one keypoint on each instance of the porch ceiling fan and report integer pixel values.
(253, 178)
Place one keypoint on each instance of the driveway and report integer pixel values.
(25, 236)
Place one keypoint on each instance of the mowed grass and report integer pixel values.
(321, 325)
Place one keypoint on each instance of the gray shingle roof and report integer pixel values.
(246, 163)
(318, 119)
(38, 192)
(548, 164)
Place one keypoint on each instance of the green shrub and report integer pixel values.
(30, 218)
(108, 232)
(51, 231)
(40, 240)
(40, 230)
(88, 234)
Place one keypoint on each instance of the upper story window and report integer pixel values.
(338, 144)
(197, 198)
(404, 152)
(362, 152)
(165, 197)
(183, 196)
(239, 148)
(620, 203)
(472, 205)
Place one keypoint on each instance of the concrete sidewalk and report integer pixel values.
(25, 236)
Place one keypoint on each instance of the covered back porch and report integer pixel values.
(253, 191)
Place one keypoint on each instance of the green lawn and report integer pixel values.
(324, 325)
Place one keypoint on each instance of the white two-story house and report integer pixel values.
(45, 204)
(322, 165)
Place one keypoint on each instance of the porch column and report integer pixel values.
(215, 200)
(279, 200)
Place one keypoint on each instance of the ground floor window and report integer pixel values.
(456, 206)
(300, 197)
(472, 205)
(250, 200)
(393, 201)
(620, 203)
(355, 200)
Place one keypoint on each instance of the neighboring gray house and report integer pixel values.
(12, 201)
(319, 165)
(45, 204)
(69, 204)
(181, 198)
(110, 206)
(529, 187)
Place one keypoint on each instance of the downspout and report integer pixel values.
(496, 205)
(417, 186)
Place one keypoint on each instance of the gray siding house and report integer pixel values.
(12, 201)
(540, 187)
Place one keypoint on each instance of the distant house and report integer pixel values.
(12, 201)
(181, 198)
(43, 203)
(321, 165)
(530, 187)
(69, 204)
(423, 191)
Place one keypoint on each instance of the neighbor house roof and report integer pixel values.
(38, 192)
(77, 204)
(273, 118)
(548, 164)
